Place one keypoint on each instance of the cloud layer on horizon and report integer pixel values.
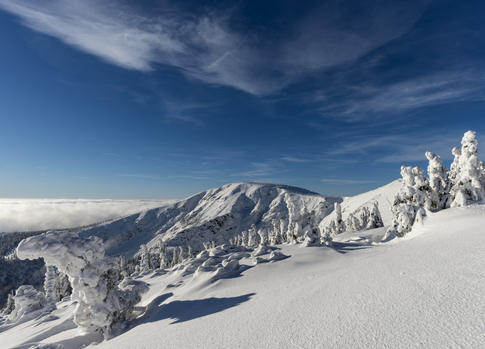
(21, 215)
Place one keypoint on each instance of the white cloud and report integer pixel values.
(42, 214)
(205, 48)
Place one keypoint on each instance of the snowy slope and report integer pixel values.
(423, 291)
(214, 215)
(384, 196)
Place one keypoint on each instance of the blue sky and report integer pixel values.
(160, 99)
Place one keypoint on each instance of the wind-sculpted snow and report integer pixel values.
(216, 215)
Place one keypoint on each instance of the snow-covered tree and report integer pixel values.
(10, 305)
(339, 226)
(297, 232)
(352, 223)
(50, 286)
(244, 238)
(375, 220)
(467, 175)
(411, 200)
(438, 182)
(283, 230)
(326, 238)
(175, 257)
(144, 258)
(94, 277)
(253, 238)
(289, 232)
(26, 300)
(263, 237)
(276, 237)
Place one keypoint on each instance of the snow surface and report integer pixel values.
(425, 290)
(22, 215)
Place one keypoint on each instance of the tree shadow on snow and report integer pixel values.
(186, 310)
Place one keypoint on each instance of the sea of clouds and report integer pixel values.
(21, 215)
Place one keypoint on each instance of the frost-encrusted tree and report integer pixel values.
(275, 236)
(375, 220)
(467, 175)
(10, 305)
(336, 225)
(253, 238)
(409, 204)
(51, 290)
(26, 300)
(263, 237)
(438, 183)
(339, 223)
(95, 279)
(326, 238)
(283, 230)
(144, 258)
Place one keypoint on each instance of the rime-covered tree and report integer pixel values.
(297, 232)
(283, 230)
(467, 175)
(10, 305)
(244, 238)
(26, 300)
(409, 204)
(175, 257)
(326, 238)
(339, 223)
(102, 304)
(352, 223)
(289, 232)
(253, 238)
(51, 282)
(144, 258)
(375, 220)
(263, 237)
(438, 182)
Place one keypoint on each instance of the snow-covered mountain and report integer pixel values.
(215, 215)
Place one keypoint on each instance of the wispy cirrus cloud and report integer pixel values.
(407, 95)
(206, 48)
